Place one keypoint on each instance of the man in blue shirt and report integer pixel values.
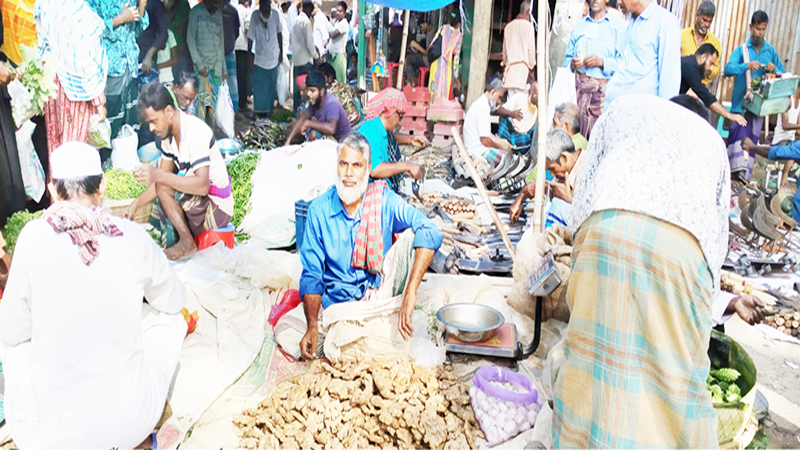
(385, 114)
(790, 152)
(333, 232)
(649, 58)
(592, 55)
(762, 59)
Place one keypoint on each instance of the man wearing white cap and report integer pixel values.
(191, 184)
(87, 363)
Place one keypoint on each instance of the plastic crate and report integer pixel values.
(300, 213)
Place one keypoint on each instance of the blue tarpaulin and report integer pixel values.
(413, 5)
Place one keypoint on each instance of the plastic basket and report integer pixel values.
(118, 207)
(732, 418)
(300, 213)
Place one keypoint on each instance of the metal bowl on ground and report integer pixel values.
(230, 147)
(470, 322)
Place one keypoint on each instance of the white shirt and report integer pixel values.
(83, 328)
(781, 134)
(198, 148)
(289, 17)
(265, 39)
(477, 124)
(654, 157)
(338, 44)
(164, 55)
(302, 40)
(322, 32)
(244, 23)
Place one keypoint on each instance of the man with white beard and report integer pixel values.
(348, 232)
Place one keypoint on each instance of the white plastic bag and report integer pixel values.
(32, 171)
(99, 132)
(283, 83)
(21, 102)
(224, 110)
(124, 148)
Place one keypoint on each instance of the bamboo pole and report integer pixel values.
(484, 194)
(362, 48)
(541, 74)
(403, 51)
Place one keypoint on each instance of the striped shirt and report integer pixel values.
(71, 31)
(198, 148)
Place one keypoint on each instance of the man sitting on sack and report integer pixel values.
(348, 233)
(198, 197)
(87, 363)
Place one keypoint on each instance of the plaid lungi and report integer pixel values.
(206, 99)
(505, 130)
(636, 363)
(735, 136)
(591, 94)
(202, 214)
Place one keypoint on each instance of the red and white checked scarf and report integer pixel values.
(388, 100)
(83, 225)
(368, 251)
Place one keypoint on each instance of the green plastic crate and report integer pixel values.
(783, 87)
(761, 106)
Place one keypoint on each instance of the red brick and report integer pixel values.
(415, 94)
(417, 111)
(444, 128)
(450, 115)
(442, 141)
(410, 124)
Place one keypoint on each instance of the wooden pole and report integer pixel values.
(541, 75)
(484, 194)
(479, 57)
(403, 51)
(362, 48)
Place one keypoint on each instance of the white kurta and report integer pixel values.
(87, 364)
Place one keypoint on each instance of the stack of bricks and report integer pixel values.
(414, 123)
(446, 114)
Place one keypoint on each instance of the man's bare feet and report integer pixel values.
(183, 248)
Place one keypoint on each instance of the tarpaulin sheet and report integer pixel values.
(413, 5)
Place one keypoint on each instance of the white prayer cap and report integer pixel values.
(75, 160)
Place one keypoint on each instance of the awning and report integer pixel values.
(413, 5)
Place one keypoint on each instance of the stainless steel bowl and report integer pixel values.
(229, 146)
(470, 322)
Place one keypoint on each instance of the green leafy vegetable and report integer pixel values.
(14, 227)
(122, 185)
(241, 171)
(38, 76)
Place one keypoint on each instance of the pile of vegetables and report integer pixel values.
(241, 170)
(721, 386)
(38, 77)
(14, 227)
(263, 134)
(122, 185)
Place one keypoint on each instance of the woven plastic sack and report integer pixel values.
(505, 403)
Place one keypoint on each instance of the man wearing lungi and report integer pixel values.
(760, 59)
(650, 217)
(592, 55)
(348, 233)
(197, 196)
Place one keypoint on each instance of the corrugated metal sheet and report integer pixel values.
(731, 27)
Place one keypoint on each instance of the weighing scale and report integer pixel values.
(542, 280)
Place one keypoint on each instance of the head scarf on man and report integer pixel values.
(388, 100)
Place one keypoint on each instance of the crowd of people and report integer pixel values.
(633, 168)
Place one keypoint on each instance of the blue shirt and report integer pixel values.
(788, 151)
(120, 43)
(378, 139)
(330, 238)
(736, 66)
(649, 58)
(601, 38)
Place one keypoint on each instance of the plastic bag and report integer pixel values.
(124, 149)
(32, 171)
(99, 132)
(505, 403)
(290, 301)
(224, 110)
(283, 83)
(22, 107)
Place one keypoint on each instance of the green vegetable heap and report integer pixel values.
(14, 227)
(263, 134)
(721, 386)
(122, 185)
(241, 170)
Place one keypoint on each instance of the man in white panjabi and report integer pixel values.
(87, 363)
